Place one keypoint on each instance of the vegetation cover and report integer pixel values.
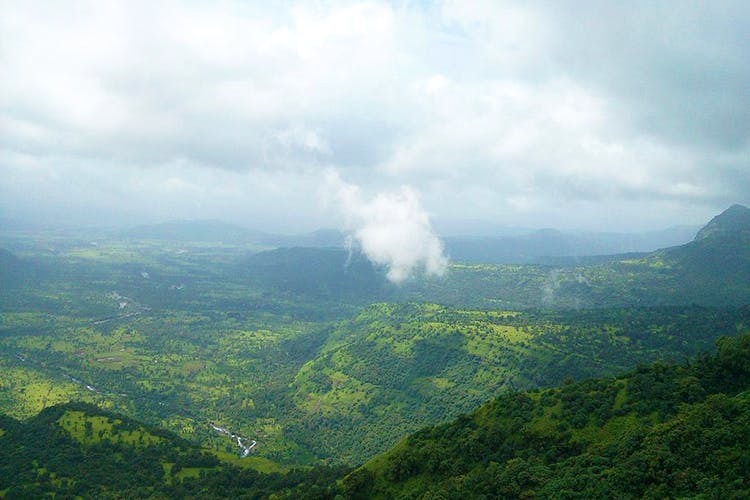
(77, 450)
(312, 356)
(662, 430)
(397, 367)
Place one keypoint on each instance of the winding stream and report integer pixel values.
(240, 440)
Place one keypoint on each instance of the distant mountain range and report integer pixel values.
(713, 269)
(538, 246)
(511, 246)
(223, 232)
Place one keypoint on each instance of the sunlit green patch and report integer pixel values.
(252, 462)
(89, 429)
(24, 392)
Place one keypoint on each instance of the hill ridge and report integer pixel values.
(735, 219)
(660, 430)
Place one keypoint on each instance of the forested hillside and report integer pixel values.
(394, 368)
(659, 431)
(80, 451)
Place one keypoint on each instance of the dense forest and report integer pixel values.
(661, 430)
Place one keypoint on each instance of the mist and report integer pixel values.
(391, 228)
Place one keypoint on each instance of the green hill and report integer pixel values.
(79, 450)
(734, 220)
(660, 431)
(397, 367)
(318, 273)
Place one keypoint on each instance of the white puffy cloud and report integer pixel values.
(391, 228)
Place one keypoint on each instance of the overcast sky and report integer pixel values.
(577, 115)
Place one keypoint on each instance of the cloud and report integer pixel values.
(518, 112)
(391, 228)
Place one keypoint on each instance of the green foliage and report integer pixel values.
(278, 347)
(283, 348)
(51, 455)
(682, 431)
(395, 368)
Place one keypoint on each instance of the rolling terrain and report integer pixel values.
(662, 430)
(659, 430)
(80, 450)
(313, 356)
(395, 368)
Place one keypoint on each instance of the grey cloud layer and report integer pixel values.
(515, 111)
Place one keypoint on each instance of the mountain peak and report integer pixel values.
(733, 220)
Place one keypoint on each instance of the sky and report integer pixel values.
(590, 115)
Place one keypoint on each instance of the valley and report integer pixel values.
(374, 249)
(265, 363)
